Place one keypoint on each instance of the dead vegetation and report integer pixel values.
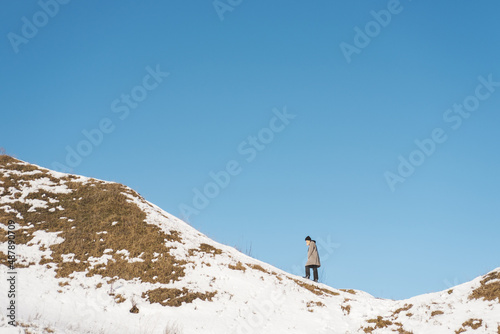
(310, 305)
(472, 323)
(489, 289)
(259, 268)
(346, 308)
(406, 307)
(438, 312)
(378, 323)
(90, 209)
(315, 289)
(119, 299)
(3, 258)
(206, 249)
(400, 329)
(175, 297)
(351, 291)
(395, 326)
(238, 266)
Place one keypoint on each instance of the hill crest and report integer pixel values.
(90, 251)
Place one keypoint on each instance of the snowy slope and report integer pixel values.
(89, 250)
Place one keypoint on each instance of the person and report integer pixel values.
(312, 259)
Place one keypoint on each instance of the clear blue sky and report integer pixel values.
(362, 92)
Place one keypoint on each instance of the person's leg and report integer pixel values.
(308, 272)
(315, 272)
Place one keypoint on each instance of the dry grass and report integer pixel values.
(401, 330)
(351, 291)
(407, 307)
(238, 266)
(27, 328)
(434, 313)
(488, 290)
(472, 323)
(3, 259)
(205, 248)
(346, 309)
(259, 268)
(175, 297)
(311, 304)
(119, 299)
(380, 322)
(90, 209)
(314, 289)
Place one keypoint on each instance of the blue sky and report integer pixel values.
(161, 96)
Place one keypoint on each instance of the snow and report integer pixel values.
(249, 301)
(47, 239)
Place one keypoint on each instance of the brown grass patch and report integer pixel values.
(379, 322)
(90, 209)
(407, 307)
(314, 289)
(4, 259)
(346, 309)
(488, 290)
(258, 267)
(119, 299)
(434, 313)
(351, 291)
(205, 248)
(175, 297)
(472, 323)
(238, 266)
(401, 330)
(311, 304)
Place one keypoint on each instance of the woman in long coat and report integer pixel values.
(312, 259)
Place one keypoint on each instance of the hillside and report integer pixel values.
(95, 257)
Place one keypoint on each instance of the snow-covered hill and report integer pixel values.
(95, 257)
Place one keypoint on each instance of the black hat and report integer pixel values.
(308, 238)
